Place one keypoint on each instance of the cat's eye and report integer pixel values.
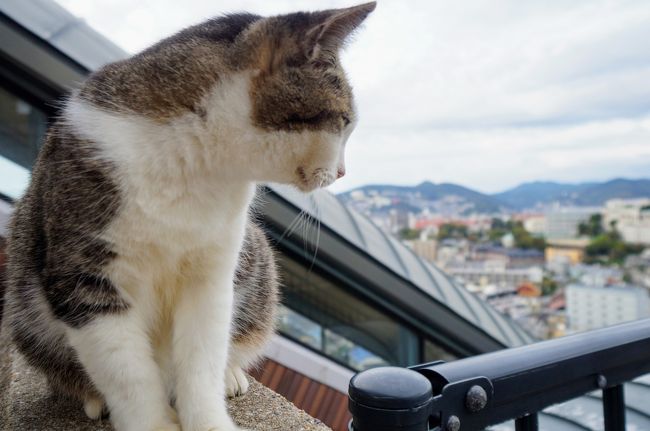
(346, 120)
(310, 119)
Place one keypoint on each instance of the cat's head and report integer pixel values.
(301, 102)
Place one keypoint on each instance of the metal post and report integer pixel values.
(527, 423)
(614, 408)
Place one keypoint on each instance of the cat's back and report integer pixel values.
(54, 231)
(70, 190)
(155, 83)
(71, 193)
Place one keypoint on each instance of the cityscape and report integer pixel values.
(556, 258)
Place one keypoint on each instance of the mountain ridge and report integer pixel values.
(527, 195)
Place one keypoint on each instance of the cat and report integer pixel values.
(137, 279)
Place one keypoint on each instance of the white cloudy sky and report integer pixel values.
(487, 93)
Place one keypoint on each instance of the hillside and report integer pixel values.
(428, 194)
(529, 195)
(463, 200)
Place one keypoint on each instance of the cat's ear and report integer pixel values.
(333, 28)
(314, 37)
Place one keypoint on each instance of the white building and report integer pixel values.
(562, 223)
(496, 273)
(632, 218)
(536, 225)
(592, 307)
(596, 275)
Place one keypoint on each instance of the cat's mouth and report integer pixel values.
(319, 178)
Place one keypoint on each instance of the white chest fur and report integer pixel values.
(178, 199)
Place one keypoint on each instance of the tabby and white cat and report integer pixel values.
(123, 251)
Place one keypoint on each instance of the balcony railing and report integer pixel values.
(473, 393)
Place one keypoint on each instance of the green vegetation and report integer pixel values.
(409, 234)
(609, 248)
(452, 230)
(523, 238)
(606, 246)
(592, 227)
(549, 286)
(499, 229)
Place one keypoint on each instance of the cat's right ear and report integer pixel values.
(333, 28)
(314, 37)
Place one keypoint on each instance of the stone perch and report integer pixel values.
(26, 404)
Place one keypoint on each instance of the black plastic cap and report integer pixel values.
(390, 388)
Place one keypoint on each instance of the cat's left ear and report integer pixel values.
(334, 27)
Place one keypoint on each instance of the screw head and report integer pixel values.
(453, 423)
(601, 381)
(476, 399)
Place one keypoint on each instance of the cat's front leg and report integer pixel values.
(116, 352)
(202, 322)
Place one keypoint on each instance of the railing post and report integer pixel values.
(390, 399)
(529, 422)
(614, 408)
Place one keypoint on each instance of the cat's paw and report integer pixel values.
(236, 382)
(171, 423)
(95, 408)
(173, 415)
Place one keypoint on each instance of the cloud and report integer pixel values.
(491, 159)
(486, 94)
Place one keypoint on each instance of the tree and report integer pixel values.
(409, 234)
(609, 247)
(495, 235)
(498, 228)
(549, 286)
(497, 223)
(452, 230)
(592, 227)
(523, 238)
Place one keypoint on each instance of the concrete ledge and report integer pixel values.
(26, 403)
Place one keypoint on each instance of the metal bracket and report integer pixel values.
(460, 402)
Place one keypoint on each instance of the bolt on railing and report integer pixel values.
(473, 393)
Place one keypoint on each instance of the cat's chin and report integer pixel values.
(307, 188)
(319, 179)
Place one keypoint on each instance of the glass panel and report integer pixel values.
(13, 178)
(22, 128)
(300, 328)
(433, 352)
(346, 351)
(353, 332)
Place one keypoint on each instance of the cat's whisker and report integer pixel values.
(318, 218)
(307, 223)
(292, 226)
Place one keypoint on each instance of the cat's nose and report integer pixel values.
(340, 173)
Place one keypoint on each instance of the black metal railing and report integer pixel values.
(474, 393)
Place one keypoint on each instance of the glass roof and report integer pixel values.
(361, 232)
(69, 34)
